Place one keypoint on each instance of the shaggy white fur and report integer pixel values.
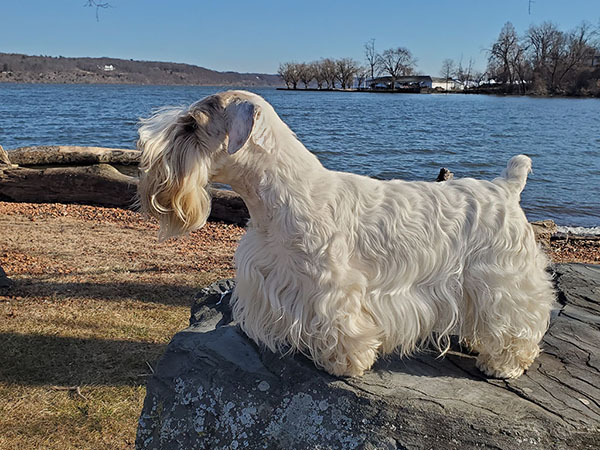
(343, 267)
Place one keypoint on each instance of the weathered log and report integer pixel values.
(99, 184)
(228, 206)
(64, 155)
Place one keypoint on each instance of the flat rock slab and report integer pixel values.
(214, 388)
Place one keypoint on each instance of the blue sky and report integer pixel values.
(255, 36)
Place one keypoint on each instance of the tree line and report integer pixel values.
(542, 61)
(546, 60)
(329, 73)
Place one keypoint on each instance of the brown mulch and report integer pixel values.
(215, 242)
(566, 250)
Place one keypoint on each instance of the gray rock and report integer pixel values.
(444, 175)
(5, 282)
(214, 388)
(543, 231)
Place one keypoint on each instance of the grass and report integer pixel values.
(93, 306)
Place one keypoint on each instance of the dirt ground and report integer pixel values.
(94, 302)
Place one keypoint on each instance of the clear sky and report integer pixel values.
(255, 36)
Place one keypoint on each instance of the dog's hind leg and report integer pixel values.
(511, 319)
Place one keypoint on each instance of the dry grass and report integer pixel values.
(95, 300)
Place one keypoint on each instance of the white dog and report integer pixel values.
(343, 267)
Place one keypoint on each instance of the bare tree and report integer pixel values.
(362, 74)
(290, 74)
(579, 53)
(396, 62)
(558, 58)
(544, 51)
(305, 74)
(464, 75)
(506, 55)
(448, 68)
(318, 73)
(328, 67)
(346, 69)
(371, 57)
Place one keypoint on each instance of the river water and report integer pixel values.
(408, 136)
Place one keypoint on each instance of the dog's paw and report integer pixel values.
(498, 372)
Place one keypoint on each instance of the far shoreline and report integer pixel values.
(41, 83)
(283, 89)
(435, 92)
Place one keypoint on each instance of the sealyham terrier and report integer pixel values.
(342, 267)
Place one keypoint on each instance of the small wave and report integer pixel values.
(587, 231)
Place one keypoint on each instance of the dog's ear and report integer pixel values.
(240, 121)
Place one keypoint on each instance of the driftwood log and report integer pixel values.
(89, 175)
(66, 155)
(99, 184)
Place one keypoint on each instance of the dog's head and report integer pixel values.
(183, 149)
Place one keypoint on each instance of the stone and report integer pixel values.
(215, 388)
(543, 231)
(5, 282)
(444, 175)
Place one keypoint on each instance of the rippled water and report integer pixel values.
(385, 136)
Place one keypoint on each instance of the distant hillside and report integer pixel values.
(19, 68)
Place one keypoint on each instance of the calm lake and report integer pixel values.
(408, 136)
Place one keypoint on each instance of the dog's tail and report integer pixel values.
(516, 172)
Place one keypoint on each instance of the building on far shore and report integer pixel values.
(415, 82)
(446, 84)
(408, 82)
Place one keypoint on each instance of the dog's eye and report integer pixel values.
(190, 127)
